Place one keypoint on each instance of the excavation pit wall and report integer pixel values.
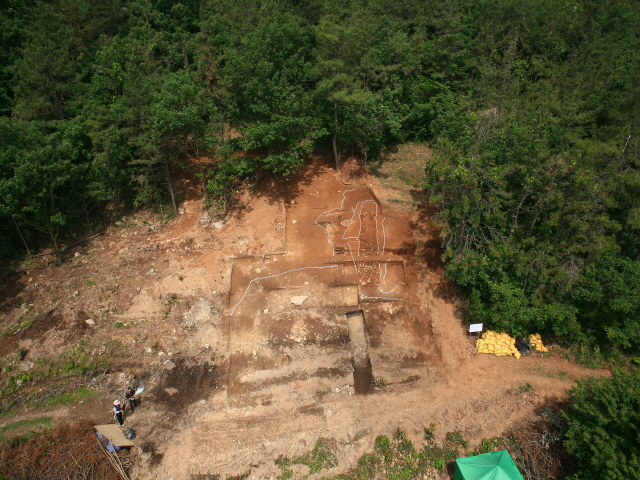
(363, 381)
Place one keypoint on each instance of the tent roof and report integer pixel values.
(488, 466)
(115, 435)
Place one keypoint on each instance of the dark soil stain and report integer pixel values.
(418, 360)
(323, 372)
(8, 344)
(185, 384)
(311, 410)
(363, 381)
(150, 447)
(42, 325)
(338, 371)
(35, 331)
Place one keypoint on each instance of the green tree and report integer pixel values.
(608, 299)
(267, 94)
(177, 122)
(14, 15)
(54, 63)
(341, 44)
(44, 176)
(604, 426)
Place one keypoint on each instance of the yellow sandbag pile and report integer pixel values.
(535, 340)
(499, 344)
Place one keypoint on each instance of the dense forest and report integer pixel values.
(531, 107)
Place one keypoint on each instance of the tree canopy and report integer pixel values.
(531, 108)
(603, 425)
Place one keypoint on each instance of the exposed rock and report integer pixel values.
(181, 211)
(19, 267)
(90, 321)
(205, 220)
(219, 225)
(200, 313)
(25, 366)
(299, 300)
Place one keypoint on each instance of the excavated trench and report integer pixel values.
(363, 381)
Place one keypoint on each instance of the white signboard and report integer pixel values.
(475, 327)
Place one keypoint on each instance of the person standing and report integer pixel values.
(131, 396)
(117, 410)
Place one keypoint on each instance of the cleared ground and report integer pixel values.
(242, 337)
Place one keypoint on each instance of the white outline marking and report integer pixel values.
(272, 276)
(348, 223)
(382, 276)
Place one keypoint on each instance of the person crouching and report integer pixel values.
(131, 396)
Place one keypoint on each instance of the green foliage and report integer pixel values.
(320, 458)
(28, 423)
(397, 457)
(608, 300)
(43, 174)
(488, 446)
(77, 361)
(268, 95)
(15, 382)
(525, 388)
(67, 398)
(530, 108)
(603, 427)
(536, 218)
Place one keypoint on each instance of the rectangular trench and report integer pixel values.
(363, 381)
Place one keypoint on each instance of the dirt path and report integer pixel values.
(241, 335)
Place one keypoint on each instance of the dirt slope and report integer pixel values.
(240, 333)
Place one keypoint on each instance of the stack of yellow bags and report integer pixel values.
(500, 344)
(536, 342)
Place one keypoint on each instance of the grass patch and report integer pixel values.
(15, 382)
(68, 397)
(402, 168)
(397, 458)
(525, 388)
(393, 457)
(61, 378)
(32, 422)
(319, 458)
(321, 393)
(23, 323)
(588, 355)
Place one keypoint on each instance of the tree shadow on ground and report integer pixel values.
(289, 188)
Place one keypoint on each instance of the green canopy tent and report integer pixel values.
(489, 466)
